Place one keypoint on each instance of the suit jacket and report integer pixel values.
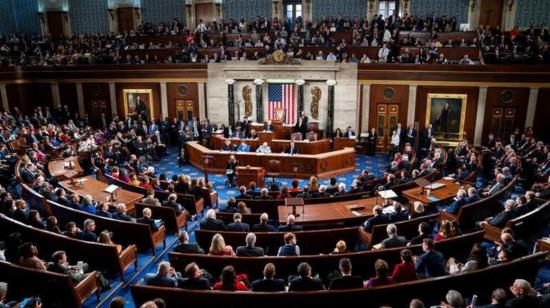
(305, 284)
(151, 201)
(263, 228)
(346, 282)
(394, 241)
(238, 226)
(502, 218)
(188, 248)
(293, 150)
(431, 264)
(303, 127)
(161, 281)
(27, 176)
(104, 214)
(87, 236)
(176, 206)
(375, 220)
(121, 216)
(212, 224)
(148, 221)
(249, 251)
(194, 283)
(289, 228)
(455, 206)
(268, 285)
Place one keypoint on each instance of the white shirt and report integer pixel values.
(395, 140)
(263, 149)
(383, 54)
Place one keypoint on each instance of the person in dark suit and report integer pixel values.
(250, 250)
(88, 233)
(184, 246)
(497, 186)
(423, 233)
(268, 127)
(290, 248)
(264, 194)
(28, 173)
(393, 239)
(237, 225)
(172, 202)
(103, 210)
(347, 280)
(292, 149)
(472, 195)
(121, 213)
(146, 219)
(378, 218)
(211, 223)
(458, 203)
(524, 295)
(371, 142)
(304, 282)
(411, 135)
(243, 194)
(427, 136)
(193, 279)
(431, 263)
(302, 124)
(502, 218)
(166, 276)
(227, 146)
(230, 170)
(263, 226)
(268, 283)
(290, 226)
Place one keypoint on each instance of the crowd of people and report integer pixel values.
(268, 34)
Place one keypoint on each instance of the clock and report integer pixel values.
(278, 56)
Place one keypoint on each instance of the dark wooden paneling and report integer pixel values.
(145, 86)
(520, 99)
(68, 96)
(192, 93)
(400, 98)
(471, 106)
(28, 96)
(125, 19)
(55, 22)
(95, 95)
(542, 115)
(491, 13)
(204, 11)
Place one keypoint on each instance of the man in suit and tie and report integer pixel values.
(401, 133)
(88, 233)
(268, 283)
(172, 202)
(347, 280)
(250, 250)
(263, 226)
(460, 201)
(193, 279)
(184, 246)
(503, 217)
(411, 135)
(427, 136)
(499, 184)
(378, 218)
(305, 282)
(153, 128)
(268, 127)
(237, 225)
(148, 220)
(211, 223)
(302, 124)
(121, 213)
(393, 239)
(28, 174)
(245, 123)
(290, 226)
(292, 149)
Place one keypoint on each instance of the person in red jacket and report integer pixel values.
(404, 271)
(230, 281)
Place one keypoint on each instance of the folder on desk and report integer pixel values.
(111, 189)
(387, 194)
(434, 186)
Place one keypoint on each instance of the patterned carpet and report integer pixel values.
(169, 166)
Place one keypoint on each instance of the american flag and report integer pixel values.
(282, 95)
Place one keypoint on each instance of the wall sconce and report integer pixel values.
(511, 4)
(137, 12)
(41, 16)
(472, 4)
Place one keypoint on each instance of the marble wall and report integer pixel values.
(315, 73)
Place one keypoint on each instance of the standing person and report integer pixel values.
(394, 144)
(302, 124)
(230, 170)
(371, 142)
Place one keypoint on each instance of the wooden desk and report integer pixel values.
(57, 168)
(329, 213)
(282, 131)
(248, 174)
(95, 188)
(276, 145)
(302, 166)
(341, 143)
(436, 196)
(543, 245)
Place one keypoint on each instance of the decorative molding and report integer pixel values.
(331, 82)
(230, 81)
(300, 82)
(258, 82)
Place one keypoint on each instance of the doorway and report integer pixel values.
(55, 23)
(125, 19)
(490, 13)
(387, 117)
(292, 10)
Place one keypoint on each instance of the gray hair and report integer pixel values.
(3, 289)
(264, 217)
(211, 214)
(391, 229)
(454, 298)
(250, 239)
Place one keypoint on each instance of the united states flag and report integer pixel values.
(282, 95)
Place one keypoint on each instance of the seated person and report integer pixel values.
(148, 220)
(172, 202)
(349, 133)
(211, 223)
(268, 283)
(227, 146)
(379, 218)
(166, 276)
(263, 226)
(229, 281)
(193, 279)
(264, 194)
(431, 263)
(290, 226)
(88, 233)
(393, 239)
(60, 265)
(268, 127)
(322, 193)
(382, 278)
(460, 200)
(103, 210)
(404, 271)
(341, 190)
(290, 248)
(184, 246)
(423, 232)
(263, 148)
(346, 280)
(243, 147)
(497, 186)
(305, 282)
(250, 250)
(244, 194)
(292, 149)
(237, 224)
(120, 213)
(253, 134)
(472, 195)
(503, 217)
(218, 247)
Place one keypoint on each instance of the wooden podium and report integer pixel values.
(248, 174)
